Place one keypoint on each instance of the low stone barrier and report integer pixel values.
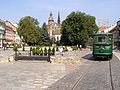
(66, 58)
(6, 59)
(6, 55)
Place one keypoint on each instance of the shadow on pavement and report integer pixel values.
(91, 58)
(88, 57)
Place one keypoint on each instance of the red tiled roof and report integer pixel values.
(102, 28)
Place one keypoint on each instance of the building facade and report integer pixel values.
(54, 28)
(10, 32)
(116, 35)
(115, 29)
(2, 32)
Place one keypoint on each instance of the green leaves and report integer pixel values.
(44, 37)
(28, 30)
(77, 28)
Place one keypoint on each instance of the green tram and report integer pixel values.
(102, 45)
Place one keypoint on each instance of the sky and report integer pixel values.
(14, 10)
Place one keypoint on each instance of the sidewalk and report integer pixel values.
(117, 54)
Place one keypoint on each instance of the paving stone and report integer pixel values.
(96, 78)
(44, 87)
(116, 72)
(25, 75)
(29, 75)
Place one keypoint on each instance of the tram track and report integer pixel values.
(93, 75)
(111, 78)
(81, 77)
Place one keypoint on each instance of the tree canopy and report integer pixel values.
(77, 28)
(44, 37)
(29, 30)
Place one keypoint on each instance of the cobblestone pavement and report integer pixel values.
(92, 75)
(96, 78)
(116, 71)
(31, 75)
(41, 75)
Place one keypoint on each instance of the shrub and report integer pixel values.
(37, 50)
(74, 47)
(34, 51)
(37, 47)
(41, 52)
(15, 48)
(53, 51)
(19, 46)
(45, 51)
(49, 51)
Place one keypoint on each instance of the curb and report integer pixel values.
(117, 55)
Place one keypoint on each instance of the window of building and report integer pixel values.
(57, 38)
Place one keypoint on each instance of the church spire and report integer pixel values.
(51, 13)
(50, 17)
(58, 21)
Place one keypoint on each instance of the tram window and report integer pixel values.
(110, 39)
(101, 39)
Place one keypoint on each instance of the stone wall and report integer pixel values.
(6, 55)
(66, 58)
(6, 59)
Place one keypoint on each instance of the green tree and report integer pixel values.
(90, 25)
(44, 37)
(77, 28)
(29, 30)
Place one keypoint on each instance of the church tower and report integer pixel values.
(54, 28)
(50, 19)
(58, 21)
